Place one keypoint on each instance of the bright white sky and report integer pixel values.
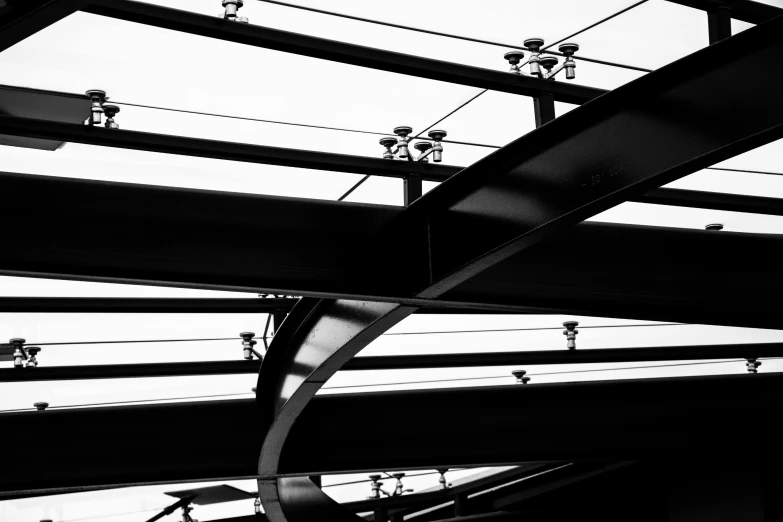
(143, 65)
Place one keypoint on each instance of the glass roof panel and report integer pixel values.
(683, 217)
(650, 35)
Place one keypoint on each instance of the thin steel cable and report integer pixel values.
(747, 171)
(509, 376)
(535, 329)
(135, 342)
(67, 406)
(77, 343)
(406, 476)
(618, 13)
(277, 122)
(365, 178)
(454, 36)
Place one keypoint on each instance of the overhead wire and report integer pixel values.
(567, 372)
(480, 330)
(138, 401)
(618, 13)
(459, 37)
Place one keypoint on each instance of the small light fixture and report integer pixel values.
(111, 111)
(41, 406)
(714, 226)
(257, 505)
(98, 98)
(247, 344)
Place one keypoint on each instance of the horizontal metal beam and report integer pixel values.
(320, 249)
(19, 20)
(323, 161)
(667, 419)
(406, 362)
(135, 445)
(223, 150)
(142, 305)
(258, 36)
(713, 201)
(127, 371)
(745, 10)
(592, 356)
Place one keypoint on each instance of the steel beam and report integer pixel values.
(745, 10)
(258, 36)
(21, 19)
(142, 305)
(412, 173)
(642, 135)
(663, 418)
(127, 371)
(319, 250)
(623, 420)
(591, 356)
(214, 149)
(406, 362)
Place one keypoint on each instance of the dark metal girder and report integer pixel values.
(127, 371)
(642, 135)
(20, 19)
(745, 10)
(682, 118)
(257, 36)
(168, 144)
(143, 305)
(591, 356)
(405, 362)
(318, 249)
(49, 130)
(138, 445)
(567, 422)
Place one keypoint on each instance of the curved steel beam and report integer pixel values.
(644, 134)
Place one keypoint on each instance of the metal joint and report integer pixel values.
(97, 98)
(247, 345)
(20, 355)
(32, 351)
(521, 376)
(232, 8)
(753, 365)
(570, 333)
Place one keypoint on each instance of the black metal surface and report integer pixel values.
(745, 10)
(133, 445)
(44, 105)
(255, 35)
(18, 20)
(127, 371)
(318, 248)
(719, 20)
(611, 420)
(114, 446)
(713, 201)
(143, 305)
(224, 150)
(662, 126)
(603, 355)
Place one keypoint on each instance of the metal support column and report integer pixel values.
(380, 515)
(411, 188)
(544, 105)
(719, 19)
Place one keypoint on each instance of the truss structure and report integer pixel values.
(506, 234)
